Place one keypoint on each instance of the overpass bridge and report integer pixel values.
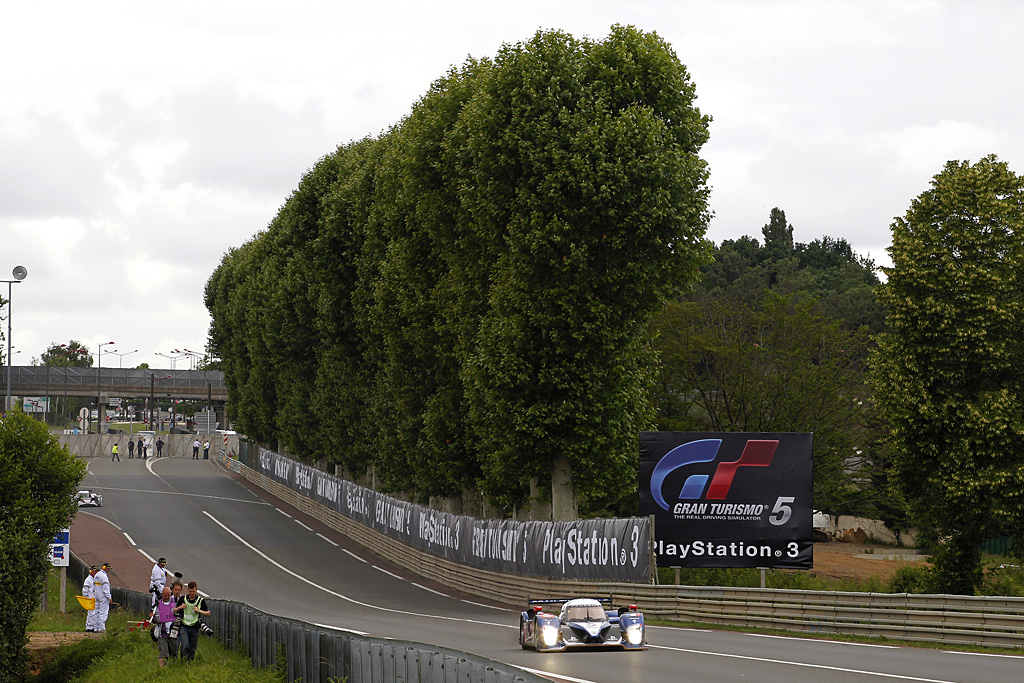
(107, 383)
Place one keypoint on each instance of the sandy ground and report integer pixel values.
(850, 561)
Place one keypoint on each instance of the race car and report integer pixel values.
(581, 623)
(89, 499)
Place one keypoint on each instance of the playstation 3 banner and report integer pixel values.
(727, 499)
(589, 549)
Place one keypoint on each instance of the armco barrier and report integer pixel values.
(312, 654)
(948, 619)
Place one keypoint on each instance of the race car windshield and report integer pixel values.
(584, 613)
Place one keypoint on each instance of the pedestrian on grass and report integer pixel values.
(163, 618)
(102, 595)
(89, 591)
(158, 579)
(192, 607)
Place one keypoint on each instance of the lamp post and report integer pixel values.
(173, 359)
(122, 355)
(19, 274)
(99, 396)
(152, 397)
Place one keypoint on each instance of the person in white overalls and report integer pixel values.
(102, 595)
(89, 591)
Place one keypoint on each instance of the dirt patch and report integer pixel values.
(49, 640)
(854, 561)
(42, 645)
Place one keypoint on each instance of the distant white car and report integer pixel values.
(87, 499)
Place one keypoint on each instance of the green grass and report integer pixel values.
(122, 655)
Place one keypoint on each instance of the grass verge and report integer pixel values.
(128, 656)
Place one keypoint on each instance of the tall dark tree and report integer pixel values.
(38, 478)
(950, 372)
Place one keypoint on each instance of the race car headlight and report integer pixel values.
(548, 636)
(635, 634)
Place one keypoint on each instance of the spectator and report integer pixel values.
(195, 449)
(206, 450)
(131, 448)
(163, 618)
(192, 607)
(159, 447)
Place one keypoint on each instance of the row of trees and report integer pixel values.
(463, 303)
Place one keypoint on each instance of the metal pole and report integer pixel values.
(7, 401)
(152, 381)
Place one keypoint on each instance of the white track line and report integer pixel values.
(806, 665)
(129, 539)
(345, 550)
(307, 528)
(339, 595)
(327, 539)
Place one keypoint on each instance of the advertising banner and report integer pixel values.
(596, 549)
(728, 499)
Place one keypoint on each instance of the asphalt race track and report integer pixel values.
(243, 545)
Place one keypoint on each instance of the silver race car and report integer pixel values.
(581, 623)
(88, 499)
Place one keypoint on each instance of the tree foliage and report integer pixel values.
(774, 338)
(463, 301)
(70, 355)
(38, 478)
(949, 372)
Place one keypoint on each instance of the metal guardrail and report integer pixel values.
(948, 619)
(312, 654)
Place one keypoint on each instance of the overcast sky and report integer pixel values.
(140, 141)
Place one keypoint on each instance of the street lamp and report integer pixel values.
(152, 398)
(99, 393)
(19, 274)
(173, 359)
(122, 355)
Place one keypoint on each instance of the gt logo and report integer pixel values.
(756, 453)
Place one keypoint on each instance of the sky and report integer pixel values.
(139, 142)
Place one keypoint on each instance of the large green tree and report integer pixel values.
(462, 303)
(949, 372)
(771, 364)
(38, 478)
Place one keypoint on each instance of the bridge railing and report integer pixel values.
(40, 380)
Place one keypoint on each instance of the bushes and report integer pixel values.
(70, 661)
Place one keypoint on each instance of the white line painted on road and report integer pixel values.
(327, 539)
(345, 550)
(806, 665)
(981, 654)
(128, 537)
(430, 590)
(387, 572)
(339, 595)
(555, 677)
(179, 493)
(823, 640)
(284, 513)
(343, 630)
(146, 555)
(307, 528)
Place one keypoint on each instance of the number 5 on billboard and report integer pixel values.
(783, 511)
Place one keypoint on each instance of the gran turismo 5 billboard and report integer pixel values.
(728, 499)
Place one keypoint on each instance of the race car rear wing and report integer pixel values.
(559, 601)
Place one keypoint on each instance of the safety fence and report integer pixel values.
(313, 654)
(948, 619)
